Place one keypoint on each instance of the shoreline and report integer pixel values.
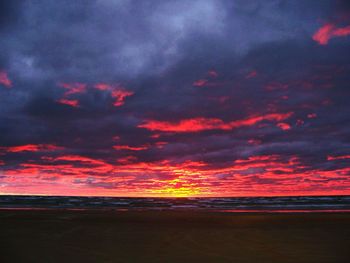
(180, 210)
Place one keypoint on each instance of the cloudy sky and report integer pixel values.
(175, 98)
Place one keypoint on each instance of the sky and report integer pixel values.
(175, 98)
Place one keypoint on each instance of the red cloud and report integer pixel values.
(200, 83)
(251, 74)
(213, 73)
(284, 126)
(341, 157)
(208, 80)
(127, 160)
(328, 31)
(31, 148)
(276, 86)
(202, 124)
(312, 115)
(160, 145)
(120, 95)
(73, 103)
(78, 158)
(206, 83)
(130, 148)
(4, 79)
(73, 88)
(116, 138)
(103, 86)
(254, 141)
(117, 92)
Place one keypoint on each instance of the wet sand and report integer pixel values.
(107, 236)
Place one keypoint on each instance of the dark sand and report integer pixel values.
(101, 236)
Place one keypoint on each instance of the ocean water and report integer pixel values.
(224, 204)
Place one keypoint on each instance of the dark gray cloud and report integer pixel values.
(223, 60)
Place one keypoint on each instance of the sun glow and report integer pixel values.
(189, 181)
(178, 188)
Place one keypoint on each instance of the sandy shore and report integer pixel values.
(101, 236)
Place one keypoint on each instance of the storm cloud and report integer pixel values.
(207, 97)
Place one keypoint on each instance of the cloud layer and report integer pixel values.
(144, 98)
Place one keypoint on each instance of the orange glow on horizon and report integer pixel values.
(265, 175)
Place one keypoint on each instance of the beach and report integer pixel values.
(61, 235)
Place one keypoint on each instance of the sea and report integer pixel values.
(301, 204)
